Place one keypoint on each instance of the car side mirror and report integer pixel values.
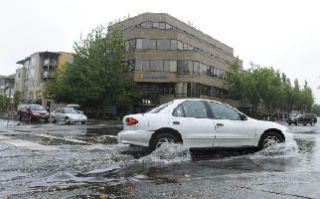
(243, 117)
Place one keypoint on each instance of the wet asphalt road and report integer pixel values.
(85, 161)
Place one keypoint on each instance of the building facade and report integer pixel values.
(170, 59)
(6, 85)
(35, 70)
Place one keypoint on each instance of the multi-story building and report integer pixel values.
(35, 70)
(170, 59)
(6, 85)
(20, 80)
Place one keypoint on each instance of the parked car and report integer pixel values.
(199, 123)
(32, 112)
(293, 119)
(68, 115)
(76, 107)
(308, 118)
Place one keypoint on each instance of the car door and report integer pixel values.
(58, 115)
(231, 128)
(191, 120)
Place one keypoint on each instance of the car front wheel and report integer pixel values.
(270, 139)
(67, 120)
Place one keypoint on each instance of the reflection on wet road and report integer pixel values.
(83, 161)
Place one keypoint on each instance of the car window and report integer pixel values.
(36, 107)
(178, 112)
(221, 111)
(194, 109)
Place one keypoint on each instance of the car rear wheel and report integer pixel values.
(53, 120)
(270, 139)
(164, 138)
(67, 120)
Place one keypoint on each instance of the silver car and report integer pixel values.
(68, 115)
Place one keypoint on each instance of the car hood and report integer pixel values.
(269, 125)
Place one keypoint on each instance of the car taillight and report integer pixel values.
(131, 121)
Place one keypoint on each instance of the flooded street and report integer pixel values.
(85, 161)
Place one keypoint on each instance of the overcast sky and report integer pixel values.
(284, 34)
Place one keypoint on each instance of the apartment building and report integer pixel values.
(35, 70)
(171, 59)
(6, 85)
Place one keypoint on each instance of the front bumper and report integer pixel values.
(135, 137)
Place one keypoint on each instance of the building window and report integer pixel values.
(180, 45)
(145, 65)
(162, 25)
(163, 44)
(149, 44)
(173, 66)
(183, 67)
(138, 65)
(139, 43)
(155, 25)
(168, 26)
(156, 65)
(132, 45)
(166, 66)
(196, 68)
(174, 44)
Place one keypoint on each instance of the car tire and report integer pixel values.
(163, 138)
(53, 120)
(67, 120)
(296, 123)
(20, 117)
(83, 122)
(289, 123)
(30, 118)
(270, 139)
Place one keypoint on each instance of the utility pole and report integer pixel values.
(10, 108)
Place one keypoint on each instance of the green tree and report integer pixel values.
(98, 76)
(1, 103)
(16, 99)
(316, 109)
(267, 87)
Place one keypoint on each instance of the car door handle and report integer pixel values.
(220, 125)
(176, 122)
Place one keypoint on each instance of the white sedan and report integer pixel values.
(200, 123)
(67, 115)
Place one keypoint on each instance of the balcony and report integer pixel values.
(50, 63)
(47, 75)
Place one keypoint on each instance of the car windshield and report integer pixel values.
(36, 107)
(69, 110)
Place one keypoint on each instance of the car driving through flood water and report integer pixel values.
(199, 123)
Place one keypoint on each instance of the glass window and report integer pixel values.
(185, 46)
(190, 67)
(149, 24)
(156, 65)
(145, 65)
(127, 46)
(180, 45)
(149, 44)
(195, 109)
(178, 112)
(163, 44)
(221, 111)
(202, 69)
(183, 67)
(190, 47)
(138, 65)
(155, 25)
(166, 66)
(144, 25)
(174, 44)
(139, 43)
(132, 45)
(162, 25)
(196, 68)
(173, 66)
(168, 27)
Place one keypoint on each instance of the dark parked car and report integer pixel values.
(32, 112)
(307, 118)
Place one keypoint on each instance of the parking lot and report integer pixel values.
(84, 161)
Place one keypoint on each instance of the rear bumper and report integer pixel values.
(135, 137)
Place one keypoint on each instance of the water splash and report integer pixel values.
(168, 154)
